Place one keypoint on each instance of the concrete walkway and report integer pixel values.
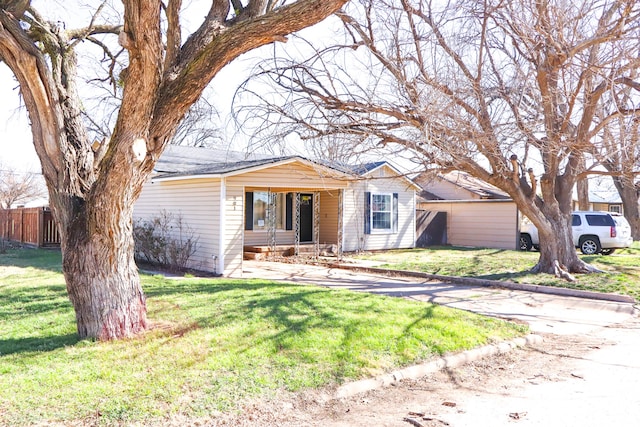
(544, 312)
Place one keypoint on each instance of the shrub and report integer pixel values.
(164, 240)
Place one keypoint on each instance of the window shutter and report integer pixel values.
(248, 210)
(395, 213)
(289, 212)
(367, 212)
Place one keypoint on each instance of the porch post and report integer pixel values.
(296, 224)
(316, 224)
(340, 223)
(271, 223)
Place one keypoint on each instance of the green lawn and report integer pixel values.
(215, 343)
(622, 269)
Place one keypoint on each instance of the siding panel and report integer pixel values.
(354, 237)
(486, 223)
(198, 203)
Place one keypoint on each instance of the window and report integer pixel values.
(576, 221)
(600, 220)
(615, 208)
(381, 213)
(257, 210)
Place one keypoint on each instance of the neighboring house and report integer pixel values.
(467, 211)
(235, 201)
(458, 209)
(602, 199)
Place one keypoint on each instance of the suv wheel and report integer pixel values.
(525, 242)
(590, 245)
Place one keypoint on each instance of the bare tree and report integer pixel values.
(92, 186)
(619, 150)
(19, 187)
(498, 88)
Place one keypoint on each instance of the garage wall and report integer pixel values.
(478, 223)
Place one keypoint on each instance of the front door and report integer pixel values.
(306, 218)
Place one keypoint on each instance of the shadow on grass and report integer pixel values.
(42, 259)
(292, 312)
(36, 344)
(25, 301)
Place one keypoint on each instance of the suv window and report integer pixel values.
(575, 220)
(600, 220)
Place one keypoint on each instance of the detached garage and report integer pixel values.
(470, 211)
(477, 223)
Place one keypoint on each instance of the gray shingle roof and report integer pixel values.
(184, 161)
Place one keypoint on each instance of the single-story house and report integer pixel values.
(235, 201)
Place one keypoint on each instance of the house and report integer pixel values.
(603, 196)
(458, 209)
(236, 201)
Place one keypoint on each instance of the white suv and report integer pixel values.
(593, 232)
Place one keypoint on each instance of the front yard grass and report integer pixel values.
(622, 269)
(213, 344)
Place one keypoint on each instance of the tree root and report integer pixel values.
(561, 272)
(585, 268)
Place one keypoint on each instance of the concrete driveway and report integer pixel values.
(545, 313)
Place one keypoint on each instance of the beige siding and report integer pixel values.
(289, 176)
(329, 217)
(486, 223)
(198, 203)
(354, 237)
(233, 229)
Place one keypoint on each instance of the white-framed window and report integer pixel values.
(615, 208)
(381, 213)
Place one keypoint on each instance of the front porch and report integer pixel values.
(292, 222)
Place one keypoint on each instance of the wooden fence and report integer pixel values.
(30, 226)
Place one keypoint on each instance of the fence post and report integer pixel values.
(21, 225)
(40, 227)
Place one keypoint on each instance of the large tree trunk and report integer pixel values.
(109, 302)
(558, 254)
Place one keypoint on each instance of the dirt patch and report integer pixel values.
(425, 402)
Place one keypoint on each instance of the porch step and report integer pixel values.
(263, 252)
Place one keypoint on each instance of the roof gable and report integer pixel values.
(464, 181)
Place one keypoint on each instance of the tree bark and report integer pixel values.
(109, 302)
(582, 186)
(629, 195)
(557, 250)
